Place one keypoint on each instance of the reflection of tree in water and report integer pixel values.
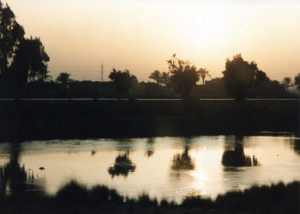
(149, 147)
(183, 161)
(237, 157)
(149, 153)
(14, 180)
(295, 144)
(123, 166)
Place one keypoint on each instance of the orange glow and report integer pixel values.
(142, 35)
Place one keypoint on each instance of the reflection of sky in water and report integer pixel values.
(88, 161)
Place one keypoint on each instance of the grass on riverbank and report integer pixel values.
(76, 198)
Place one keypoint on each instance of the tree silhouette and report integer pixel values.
(11, 34)
(161, 78)
(156, 76)
(297, 81)
(30, 61)
(259, 76)
(123, 80)
(165, 78)
(183, 76)
(203, 74)
(239, 76)
(287, 81)
(64, 79)
(21, 60)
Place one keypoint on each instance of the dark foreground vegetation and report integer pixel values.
(76, 198)
(144, 118)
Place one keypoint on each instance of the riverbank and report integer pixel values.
(76, 198)
(51, 119)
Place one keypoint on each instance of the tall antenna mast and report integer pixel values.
(102, 71)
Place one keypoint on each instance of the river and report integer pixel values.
(163, 167)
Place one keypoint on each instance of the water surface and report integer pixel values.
(164, 167)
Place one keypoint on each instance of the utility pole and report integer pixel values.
(102, 71)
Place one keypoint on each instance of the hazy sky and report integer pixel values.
(142, 34)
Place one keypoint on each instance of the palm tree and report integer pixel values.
(287, 82)
(203, 74)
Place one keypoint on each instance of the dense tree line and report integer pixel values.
(24, 73)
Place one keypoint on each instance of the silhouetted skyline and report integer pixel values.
(141, 35)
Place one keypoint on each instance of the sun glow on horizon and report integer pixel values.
(142, 35)
(205, 28)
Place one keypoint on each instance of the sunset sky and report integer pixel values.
(142, 34)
